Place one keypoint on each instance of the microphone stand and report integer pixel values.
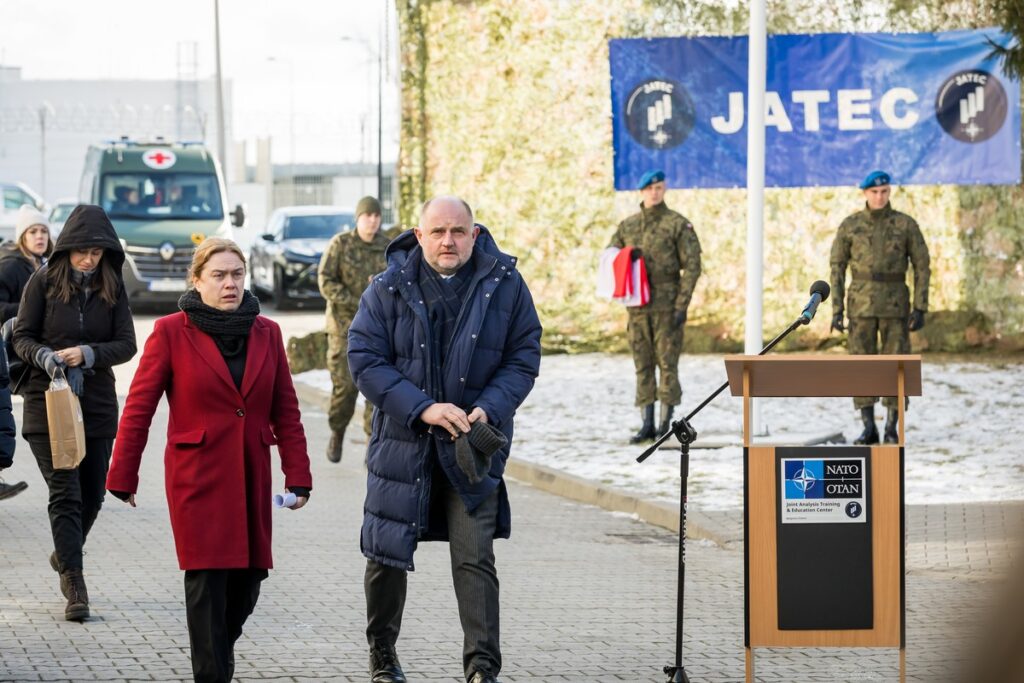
(686, 434)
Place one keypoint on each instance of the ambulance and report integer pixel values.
(163, 199)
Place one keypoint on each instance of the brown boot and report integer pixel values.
(72, 584)
(334, 447)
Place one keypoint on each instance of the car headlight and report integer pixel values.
(294, 268)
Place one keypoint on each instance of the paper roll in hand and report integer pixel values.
(284, 500)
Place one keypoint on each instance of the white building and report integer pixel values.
(47, 125)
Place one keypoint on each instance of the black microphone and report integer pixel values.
(819, 292)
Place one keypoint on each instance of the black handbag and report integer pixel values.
(13, 370)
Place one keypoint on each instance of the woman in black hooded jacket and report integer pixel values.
(74, 315)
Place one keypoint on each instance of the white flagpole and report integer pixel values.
(756, 76)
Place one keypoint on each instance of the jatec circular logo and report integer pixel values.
(659, 114)
(971, 105)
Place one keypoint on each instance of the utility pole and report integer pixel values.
(221, 142)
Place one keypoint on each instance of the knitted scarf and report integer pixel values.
(229, 329)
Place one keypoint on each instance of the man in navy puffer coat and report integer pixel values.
(446, 336)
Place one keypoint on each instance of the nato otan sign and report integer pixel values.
(929, 108)
(823, 491)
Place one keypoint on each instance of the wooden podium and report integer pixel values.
(823, 525)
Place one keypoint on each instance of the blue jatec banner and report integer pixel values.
(929, 108)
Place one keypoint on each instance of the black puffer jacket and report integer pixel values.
(15, 270)
(84, 321)
(7, 428)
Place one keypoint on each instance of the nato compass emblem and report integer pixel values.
(971, 105)
(659, 114)
(804, 480)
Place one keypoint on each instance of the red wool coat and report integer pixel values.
(217, 460)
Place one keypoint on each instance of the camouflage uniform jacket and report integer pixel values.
(877, 245)
(669, 245)
(345, 270)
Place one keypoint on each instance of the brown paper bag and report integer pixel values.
(67, 430)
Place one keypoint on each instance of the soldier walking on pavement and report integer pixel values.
(350, 261)
(877, 243)
(671, 252)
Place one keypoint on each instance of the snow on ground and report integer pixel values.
(965, 435)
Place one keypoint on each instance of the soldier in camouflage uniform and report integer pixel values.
(877, 243)
(671, 252)
(346, 267)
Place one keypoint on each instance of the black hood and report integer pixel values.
(88, 227)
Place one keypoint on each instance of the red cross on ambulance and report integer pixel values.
(160, 159)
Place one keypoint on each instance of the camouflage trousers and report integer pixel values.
(862, 339)
(343, 392)
(656, 344)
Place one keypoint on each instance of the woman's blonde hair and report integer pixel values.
(206, 249)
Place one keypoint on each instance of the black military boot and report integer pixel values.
(646, 432)
(384, 665)
(870, 433)
(892, 420)
(72, 584)
(334, 447)
(666, 420)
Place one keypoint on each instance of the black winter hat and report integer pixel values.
(473, 450)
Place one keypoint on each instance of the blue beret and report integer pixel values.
(875, 179)
(649, 178)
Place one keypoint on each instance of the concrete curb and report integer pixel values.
(582, 490)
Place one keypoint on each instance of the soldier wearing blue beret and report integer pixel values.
(878, 244)
(670, 249)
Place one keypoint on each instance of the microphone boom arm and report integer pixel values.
(681, 428)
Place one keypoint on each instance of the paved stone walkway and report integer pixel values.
(588, 595)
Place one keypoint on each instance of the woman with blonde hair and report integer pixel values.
(22, 257)
(230, 397)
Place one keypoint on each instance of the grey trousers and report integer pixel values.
(471, 545)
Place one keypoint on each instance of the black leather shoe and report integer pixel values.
(11, 490)
(384, 666)
(481, 677)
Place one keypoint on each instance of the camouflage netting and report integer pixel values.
(506, 102)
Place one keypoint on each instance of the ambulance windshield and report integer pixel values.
(161, 195)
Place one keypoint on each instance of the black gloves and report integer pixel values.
(120, 495)
(635, 254)
(916, 320)
(48, 361)
(837, 323)
(679, 318)
(474, 449)
(76, 380)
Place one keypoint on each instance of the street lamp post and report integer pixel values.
(380, 108)
(291, 122)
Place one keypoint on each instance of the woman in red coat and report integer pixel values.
(231, 398)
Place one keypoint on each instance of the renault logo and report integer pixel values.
(166, 251)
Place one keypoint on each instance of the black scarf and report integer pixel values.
(229, 329)
(444, 299)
